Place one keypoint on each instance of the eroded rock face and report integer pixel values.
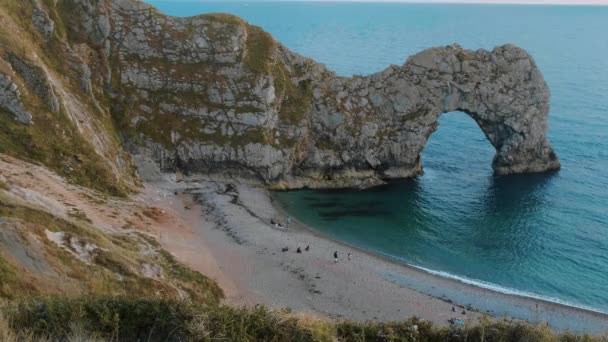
(37, 79)
(213, 95)
(42, 22)
(10, 100)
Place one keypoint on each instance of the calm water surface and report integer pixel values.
(545, 235)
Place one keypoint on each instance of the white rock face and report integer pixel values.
(84, 251)
(213, 95)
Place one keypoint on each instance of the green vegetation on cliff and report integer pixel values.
(259, 49)
(297, 99)
(56, 139)
(53, 141)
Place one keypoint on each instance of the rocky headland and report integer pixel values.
(212, 95)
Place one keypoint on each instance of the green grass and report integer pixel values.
(259, 49)
(152, 319)
(54, 142)
(200, 287)
(121, 319)
(297, 99)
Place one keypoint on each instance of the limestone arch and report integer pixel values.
(502, 91)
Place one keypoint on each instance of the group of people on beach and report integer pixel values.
(277, 224)
(336, 256)
(307, 248)
(457, 321)
(298, 250)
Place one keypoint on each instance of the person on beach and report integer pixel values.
(348, 256)
(299, 250)
(336, 256)
(307, 248)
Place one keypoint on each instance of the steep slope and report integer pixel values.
(49, 112)
(62, 239)
(67, 224)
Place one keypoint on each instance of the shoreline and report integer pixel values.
(436, 273)
(233, 224)
(455, 278)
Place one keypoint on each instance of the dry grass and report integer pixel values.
(4, 185)
(77, 333)
(114, 268)
(131, 319)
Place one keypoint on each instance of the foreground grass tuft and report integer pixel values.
(151, 319)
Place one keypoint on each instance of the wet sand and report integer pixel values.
(226, 233)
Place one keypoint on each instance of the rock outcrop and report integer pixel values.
(42, 22)
(10, 100)
(390, 115)
(37, 79)
(214, 95)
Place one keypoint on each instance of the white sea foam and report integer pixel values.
(505, 290)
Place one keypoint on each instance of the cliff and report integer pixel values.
(212, 95)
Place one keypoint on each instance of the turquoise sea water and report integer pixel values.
(545, 235)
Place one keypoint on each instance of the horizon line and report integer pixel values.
(464, 2)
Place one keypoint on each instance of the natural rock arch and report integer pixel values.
(505, 93)
(391, 114)
(214, 95)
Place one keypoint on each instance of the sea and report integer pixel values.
(537, 235)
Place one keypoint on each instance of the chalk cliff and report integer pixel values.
(213, 95)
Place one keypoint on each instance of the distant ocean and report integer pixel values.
(539, 235)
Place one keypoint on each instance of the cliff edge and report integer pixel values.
(216, 96)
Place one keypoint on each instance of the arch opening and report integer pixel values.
(457, 145)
